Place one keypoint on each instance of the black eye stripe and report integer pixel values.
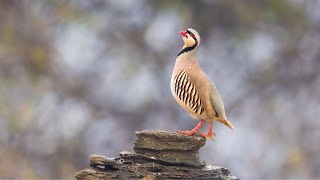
(191, 34)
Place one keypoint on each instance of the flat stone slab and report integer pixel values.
(165, 158)
(163, 140)
(169, 147)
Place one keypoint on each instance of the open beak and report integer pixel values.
(183, 33)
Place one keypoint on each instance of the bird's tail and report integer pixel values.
(226, 122)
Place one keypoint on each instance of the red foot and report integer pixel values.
(210, 135)
(194, 130)
(189, 133)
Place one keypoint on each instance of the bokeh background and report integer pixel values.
(79, 77)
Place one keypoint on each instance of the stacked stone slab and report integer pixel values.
(156, 155)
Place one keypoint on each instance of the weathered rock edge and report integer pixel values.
(157, 155)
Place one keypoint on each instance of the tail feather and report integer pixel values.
(227, 123)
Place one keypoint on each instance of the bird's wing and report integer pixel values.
(218, 106)
(216, 102)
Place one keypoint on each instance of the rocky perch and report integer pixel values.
(156, 155)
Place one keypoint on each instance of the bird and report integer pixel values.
(193, 90)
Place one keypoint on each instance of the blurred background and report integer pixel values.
(79, 77)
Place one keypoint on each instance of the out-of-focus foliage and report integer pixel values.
(79, 77)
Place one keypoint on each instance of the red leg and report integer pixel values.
(210, 132)
(194, 130)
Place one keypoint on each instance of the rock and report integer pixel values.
(171, 148)
(162, 140)
(156, 155)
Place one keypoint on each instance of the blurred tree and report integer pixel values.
(73, 70)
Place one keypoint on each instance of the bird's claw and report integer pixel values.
(189, 133)
(210, 135)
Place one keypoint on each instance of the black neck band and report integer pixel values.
(187, 49)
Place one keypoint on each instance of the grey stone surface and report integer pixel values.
(156, 155)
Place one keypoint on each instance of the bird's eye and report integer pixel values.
(192, 35)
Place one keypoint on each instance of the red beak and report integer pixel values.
(183, 33)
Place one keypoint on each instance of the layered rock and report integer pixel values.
(156, 155)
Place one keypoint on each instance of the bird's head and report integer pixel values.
(190, 37)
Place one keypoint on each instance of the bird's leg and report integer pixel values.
(194, 130)
(210, 132)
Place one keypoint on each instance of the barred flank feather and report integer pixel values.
(187, 92)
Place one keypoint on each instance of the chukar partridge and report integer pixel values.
(192, 89)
